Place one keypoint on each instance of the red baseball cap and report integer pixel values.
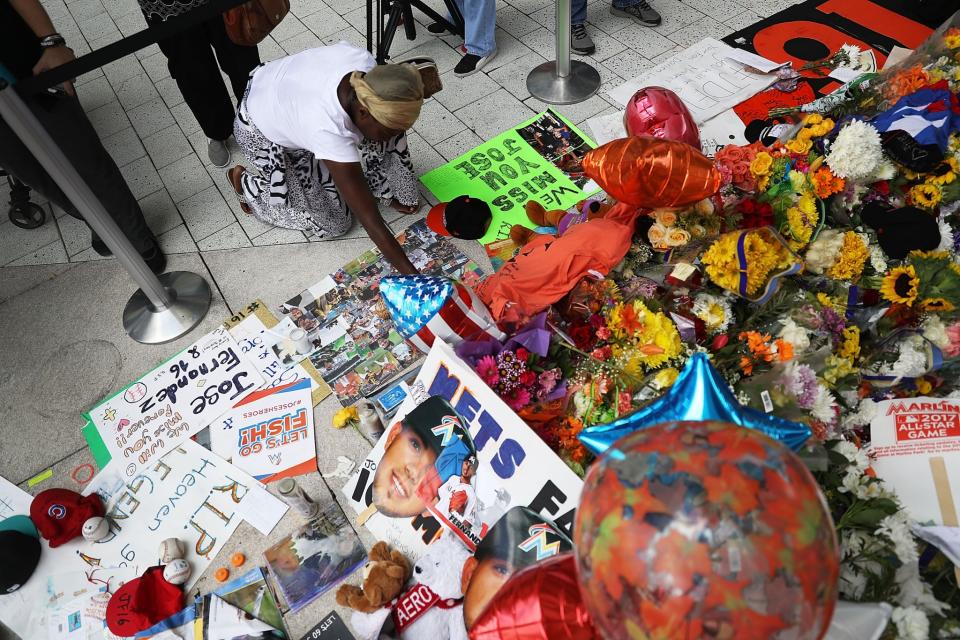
(143, 602)
(463, 217)
(59, 514)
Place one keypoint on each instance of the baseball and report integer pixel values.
(177, 572)
(170, 550)
(95, 529)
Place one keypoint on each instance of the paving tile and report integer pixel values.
(742, 20)
(423, 155)
(628, 64)
(185, 177)
(270, 50)
(86, 9)
(276, 235)
(436, 124)
(185, 118)
(722, 11)
(304, 8)
(598, 15)
(675, 15)
(122, 8)
(492, 115)
(108, 119)
(324, 22)
(666, 55)
(346, 6)
(607, 45)
(129, 23)
(546, 17)
(89, 255)
(513, 75)
(124, 146)
(706, 27)
(136, 91)
(167, 145)
(508, 49)
(97, 27)
(230, 237)
(288, 27)
(445, 56)
(151, 117)
(573, 112)
(156, 67)
(95, 93)
(301, 42)
(16, 243)
(169, 92)
(53, 253)
(56, 9)
(141, 177)
(515, 22)
(146, 52)
(123, 69)
(644, 40)
(177, 240)
(459, 92)
(160, 212)
(457, 145)
(349, 34)
(358, 20)
(253, 227)
(205, 213)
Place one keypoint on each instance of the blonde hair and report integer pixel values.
(392, 93)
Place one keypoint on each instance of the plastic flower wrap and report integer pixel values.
(750, 263)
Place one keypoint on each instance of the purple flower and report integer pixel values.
(801, 383)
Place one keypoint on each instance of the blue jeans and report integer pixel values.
(480, 21)
(578, 9)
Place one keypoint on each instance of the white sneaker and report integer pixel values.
(218, 153)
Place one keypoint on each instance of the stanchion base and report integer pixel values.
(545, 85)
(191, 300)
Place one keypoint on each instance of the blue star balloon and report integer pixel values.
(699, 393)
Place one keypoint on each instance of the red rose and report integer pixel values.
(719, 342)
(527, 378)
(523, 354)
(882, 187)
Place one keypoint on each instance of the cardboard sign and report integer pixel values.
(269, 434)
(514, 466)
(915, 443)
(537, 160)
(330, 628)
(152, 416)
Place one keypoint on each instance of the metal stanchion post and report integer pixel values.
(563, 81)
(163, 308)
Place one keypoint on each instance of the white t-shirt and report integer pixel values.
(293, 101)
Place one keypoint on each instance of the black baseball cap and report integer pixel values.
(439, 425)
(19, 556)
(463, 217)
(900, 231)
(522, 537)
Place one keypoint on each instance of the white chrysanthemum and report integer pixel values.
(714, 310)
(878, 259)
(912, 624)
(852, 453)
(824, 251)
(852, 582)
(896, 528)
(936, 332)
(824, 406)
(856, 153)
(795, 335)
(946, 235)
(915, 592)
(912, 361)
(886, 170)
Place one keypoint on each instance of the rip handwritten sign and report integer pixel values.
(149, 418)
(537, 160)
(188, 493)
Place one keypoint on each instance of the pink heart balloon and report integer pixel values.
(659, 112)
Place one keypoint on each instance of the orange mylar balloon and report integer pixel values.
(541, 602)
(650, 172)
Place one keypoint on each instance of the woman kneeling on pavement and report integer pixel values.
(324, 131)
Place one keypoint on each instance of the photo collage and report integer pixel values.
(357, 350)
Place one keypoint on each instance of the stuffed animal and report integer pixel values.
(590, 209)
(439, 572)
(384, 577)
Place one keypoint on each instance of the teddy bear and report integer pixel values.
(589, 209)
(431, 606)
(384, 577)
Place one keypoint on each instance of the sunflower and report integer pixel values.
(900, 285)
(936, 304)
(925, 195)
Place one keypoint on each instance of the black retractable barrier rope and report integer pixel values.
(125, 46)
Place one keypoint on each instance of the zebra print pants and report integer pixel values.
(293, 189)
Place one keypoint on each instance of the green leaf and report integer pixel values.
(869, 517)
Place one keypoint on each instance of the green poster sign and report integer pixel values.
(537, 160)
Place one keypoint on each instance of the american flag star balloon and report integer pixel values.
(424, 308)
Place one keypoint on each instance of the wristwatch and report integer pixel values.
(52, 40)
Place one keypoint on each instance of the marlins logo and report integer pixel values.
(538, 540)
(445, 429)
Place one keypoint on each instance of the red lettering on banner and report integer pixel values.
(413, 604)
(922, 426)
(876, 18)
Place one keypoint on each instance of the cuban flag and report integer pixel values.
(929, 115)
(424, 308)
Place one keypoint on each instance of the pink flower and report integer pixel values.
(517, 399)
(623, 402)
(953, 349)
(603, 353)
(487, 369)
(548, 382)
(604, 333)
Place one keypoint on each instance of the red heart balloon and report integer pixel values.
(541, 602)
(659, 112)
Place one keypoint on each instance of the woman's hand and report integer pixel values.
(54, 57)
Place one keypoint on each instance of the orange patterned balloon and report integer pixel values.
(650, 172)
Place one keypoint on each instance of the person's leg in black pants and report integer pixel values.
(67, 124)
(192, 64)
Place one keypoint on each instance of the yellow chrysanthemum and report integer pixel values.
(853, 256)
(850, 343)
(647, 338)
(837, 368)
(952, 41)
(813, 118)
(900, 285)
(722, 264)
(828, 302)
